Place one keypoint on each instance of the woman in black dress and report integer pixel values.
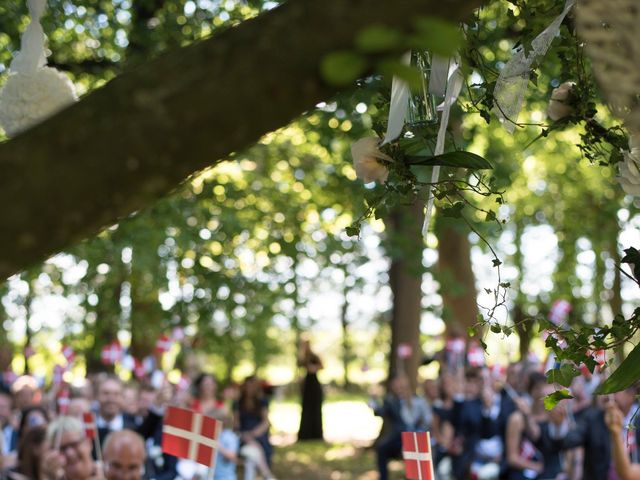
(311, 416)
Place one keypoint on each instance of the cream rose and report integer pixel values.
(629, 177)
(558, 107)
(366, 156)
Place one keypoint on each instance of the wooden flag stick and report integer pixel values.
(96, 442)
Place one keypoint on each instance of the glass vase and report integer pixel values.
(422, 105)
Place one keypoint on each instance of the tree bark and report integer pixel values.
(456, 277)
(405, 279)
(133, 141)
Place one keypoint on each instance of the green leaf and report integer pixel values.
(409, 74)
(342, 68)
(553, 399)
(625, 375)
(378, 38)
(453, 159)
(454, 211)
(436, 35)
(563, 375)
(352, 231)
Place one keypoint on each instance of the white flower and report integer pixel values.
(29, 98)
(629, 177)
(558, 107)
(365, 155)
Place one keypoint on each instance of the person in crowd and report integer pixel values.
(205, 394)
(111, 418)
(229, 445)
(311, 415)
(530, 450)
(403, 411)
(625, 469)
(159, 465)
(124, 456)
(68, 452)
(30, 453)
(130, 398)
(472, 418)
(8, 433)
(227, 454)
(26, 392)
(591, 432)
(78, 406)
(251, 419)
(32, 417)
(442, 432)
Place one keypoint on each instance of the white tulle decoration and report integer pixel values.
(33, 91)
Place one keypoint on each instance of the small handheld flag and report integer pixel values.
(416, 452)
(111, 353)
(191, 435)
(90, 429)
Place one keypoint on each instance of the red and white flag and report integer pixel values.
(90, 427)
(68, 353)
(164, 344)
(111, 353)
(475, 355)
(191, 435)
(63, 401)
(416, 452)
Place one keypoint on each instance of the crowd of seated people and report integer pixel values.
(488, 424)
(43, 434)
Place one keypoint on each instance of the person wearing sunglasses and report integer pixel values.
(68, 452)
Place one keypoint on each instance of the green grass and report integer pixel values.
(350, 428)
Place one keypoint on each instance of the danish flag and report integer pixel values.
(111, 353)
(475, 355)
(68, 353)
(191, 435)
(90, 427)
(416, 452)
(163, 344)
(63, 401)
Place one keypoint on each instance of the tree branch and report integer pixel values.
(136, 139)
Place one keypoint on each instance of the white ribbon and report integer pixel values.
(453, 88)
(514, 77)
(398, 106)
(439, 75)
(31, 55)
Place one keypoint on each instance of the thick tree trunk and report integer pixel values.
(456, 277)
(405, 279)
(136, 139)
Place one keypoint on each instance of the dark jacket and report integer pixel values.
(591, 433)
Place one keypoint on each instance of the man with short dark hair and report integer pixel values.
(124, 456)
(111, 417)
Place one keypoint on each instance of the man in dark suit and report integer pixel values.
(591, 433)
(403, 411)
(473, 420)
(111, 418)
